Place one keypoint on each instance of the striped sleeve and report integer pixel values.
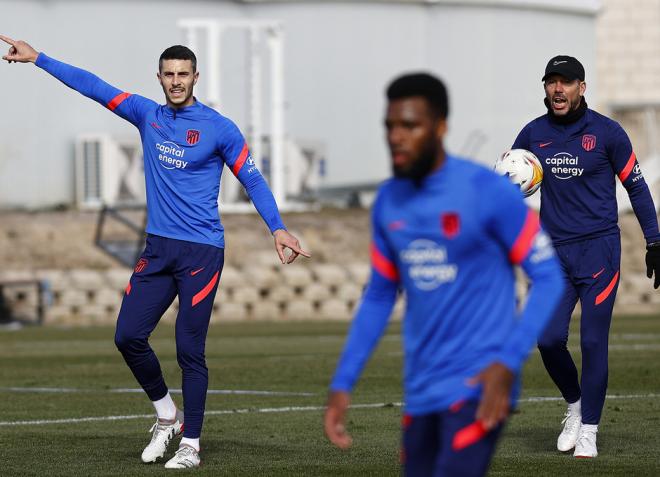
(523, 242)
(382, 264)
(236, 155)
(382, 259)
(234, 149)
(627, 168)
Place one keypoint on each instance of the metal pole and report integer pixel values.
(255, 106)
(275, 43)
(214, 87)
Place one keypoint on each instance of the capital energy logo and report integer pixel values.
(171, 155)
(564, 166)
(427, 264)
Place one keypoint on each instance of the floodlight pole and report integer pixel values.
(276, 46)
(255, 96)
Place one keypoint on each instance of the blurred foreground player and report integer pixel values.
(582, 152)
(185, 146)
(448, 232)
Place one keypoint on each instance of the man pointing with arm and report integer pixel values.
(185, 146)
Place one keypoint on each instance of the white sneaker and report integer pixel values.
(161, 437)
(569, 434)
(585, 447)
(185, 458)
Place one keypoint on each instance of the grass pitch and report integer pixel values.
(64, 376)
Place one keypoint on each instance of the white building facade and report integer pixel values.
(338, 58)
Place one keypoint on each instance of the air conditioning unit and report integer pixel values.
(108, 171)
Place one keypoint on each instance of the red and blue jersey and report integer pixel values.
(580, 163)
(184, 153)
(451, 245)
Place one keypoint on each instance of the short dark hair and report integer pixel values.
(425, 85)
(178, 52)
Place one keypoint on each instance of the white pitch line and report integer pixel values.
(609, 396)
(265, 410)
(268, 410)
(242, 392)
(635, 347)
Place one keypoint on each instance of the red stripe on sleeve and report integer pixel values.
(602, 296)
(117, 100)
(128, 288)
(383, 265)
(241, 160)
(468, 435)
(623, 175)
(526, 238)
(206, 290)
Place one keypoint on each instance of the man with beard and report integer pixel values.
(448, 232)
(185, 146)
(581, 152)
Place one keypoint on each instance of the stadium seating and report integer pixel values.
(328, 287)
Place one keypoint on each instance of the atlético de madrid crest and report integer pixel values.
(450, 223)
(192, 136)
(588, 142)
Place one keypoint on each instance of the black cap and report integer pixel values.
(567, 66)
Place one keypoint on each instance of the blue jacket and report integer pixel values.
(580, 162)
(451, 246)
(184, 152)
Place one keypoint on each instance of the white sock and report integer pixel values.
(589, 427)
(576, 406)
(194, 443)
(165, 408)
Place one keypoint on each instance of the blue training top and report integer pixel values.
(451, 245)
(580, 161)
(184, 152)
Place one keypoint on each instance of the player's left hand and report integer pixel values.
(653, 262)
(284, 240)
(496, 381)
(334, 421)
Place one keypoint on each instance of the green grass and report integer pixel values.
(293, 357)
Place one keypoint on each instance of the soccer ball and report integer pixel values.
(523, 168)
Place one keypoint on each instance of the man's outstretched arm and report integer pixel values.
(82, 81)
(234, 149)
(366, 330)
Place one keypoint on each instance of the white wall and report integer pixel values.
(338, 59)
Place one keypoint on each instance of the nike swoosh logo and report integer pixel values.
(195, 272)
(597, 274)
(555, 63)
(396, 225)
(543, 144)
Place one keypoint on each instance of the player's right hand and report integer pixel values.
(335, 419)
(19, 51)
(496, 381)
